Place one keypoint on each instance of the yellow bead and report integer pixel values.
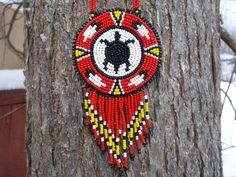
(146, 106)
(155, 51)
(117, 150)
(135, 128)
(113, 146)
(124, 144)
(117, 91)
(101, 129)
(85, 103)
(131, 133)
(137, 122)
(89, 111)
(79, 53)
(106, 133)
(92, 15)
(142, 113)
(110, 141)
(96, 122)
(92, 117)
(117, 14)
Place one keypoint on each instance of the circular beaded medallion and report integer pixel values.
(117, 52)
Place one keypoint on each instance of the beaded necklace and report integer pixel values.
(117, 54)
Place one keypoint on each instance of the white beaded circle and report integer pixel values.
(117, 52)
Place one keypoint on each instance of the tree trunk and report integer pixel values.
(185, 107)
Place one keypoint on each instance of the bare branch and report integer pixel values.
(228, 148)
(6, 35)
(230, 81)
(228, 39)
(2, 17)
(230, 101)
(232, 59)
(16, 20)
(12, 47)
(231, 42)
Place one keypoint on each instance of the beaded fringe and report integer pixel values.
(118, 123)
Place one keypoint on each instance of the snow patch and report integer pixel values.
(228, 11)
(228, 131)
(227, 66)
(12, 79)
(226, 56)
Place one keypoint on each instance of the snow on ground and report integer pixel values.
(12, 79)
(228, 131)
(10, 1)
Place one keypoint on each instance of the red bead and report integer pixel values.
(125, 162)
(131, 150)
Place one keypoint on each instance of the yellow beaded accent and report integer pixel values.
(101, 128)
(96, 122)
(106, 133)
(117, 150)
(124, 144)
(85, 104)
(146, 106)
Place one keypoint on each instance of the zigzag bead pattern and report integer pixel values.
(118, 135)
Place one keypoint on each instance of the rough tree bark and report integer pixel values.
(185, 110)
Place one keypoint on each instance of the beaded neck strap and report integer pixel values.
(117, 54)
